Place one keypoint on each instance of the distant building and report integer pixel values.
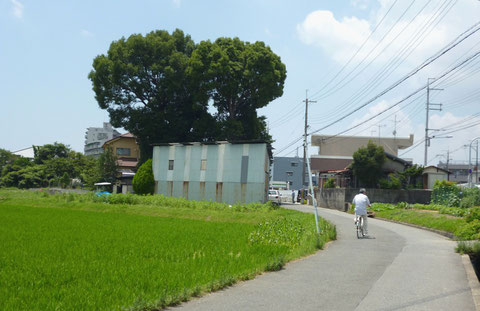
(289, 170)
(126, 149)
(230, 172)
(28, 153)
(459, 171)
(336, 153)
(95, 137)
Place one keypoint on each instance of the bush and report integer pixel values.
(393, 182)
(446, 193)
(473, 214)
(473, 194)
(330, 183)
(470, 231)
(143, 182)
(467, 202)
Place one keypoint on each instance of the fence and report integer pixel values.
(339, 198)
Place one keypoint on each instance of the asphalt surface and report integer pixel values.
(397, 268)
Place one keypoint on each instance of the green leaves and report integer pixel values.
(143, 182)
(367, 164)
(159, 86)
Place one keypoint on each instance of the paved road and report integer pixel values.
(397, 268)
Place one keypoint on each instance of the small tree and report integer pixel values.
(107, 166)
(143, 182)
(367, 164)
(330, 183)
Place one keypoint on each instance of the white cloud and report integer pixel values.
(361, 4)
(336, 38)
(17, 8)
(340, 37)
(86, 33)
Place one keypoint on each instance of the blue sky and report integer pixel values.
(47, 49)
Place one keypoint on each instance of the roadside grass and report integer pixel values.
(74, 252)
(472, 249)
(424, 219)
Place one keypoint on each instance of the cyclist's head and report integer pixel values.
(362, 190)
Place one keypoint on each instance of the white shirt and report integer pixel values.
(361, 202)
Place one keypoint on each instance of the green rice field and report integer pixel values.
(74, 252)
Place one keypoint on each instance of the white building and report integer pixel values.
(95, 137)
(28, 153)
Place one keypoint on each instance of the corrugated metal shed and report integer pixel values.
(221, 171)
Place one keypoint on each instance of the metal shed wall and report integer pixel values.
(233, 172)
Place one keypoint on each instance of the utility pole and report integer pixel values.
(476, 167)
(380, 126)
(448, 161)
(428, 107)
(395, 128)
(470, 175)
(305, 137)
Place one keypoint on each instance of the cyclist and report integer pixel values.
(361, 202)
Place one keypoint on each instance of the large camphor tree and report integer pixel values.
(143, 84)
(159, 86)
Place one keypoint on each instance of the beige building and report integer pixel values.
(336, 153)
(347, 145)
(126, 149)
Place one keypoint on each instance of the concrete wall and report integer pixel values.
(337, 198)
(230, 173)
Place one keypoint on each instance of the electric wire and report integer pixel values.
(398, 58)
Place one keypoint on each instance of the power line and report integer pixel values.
(397, 59)
(465, 35)
(332, 89)
(410, 95)
(358, 50)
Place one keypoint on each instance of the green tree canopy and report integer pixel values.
(240, 77)
(159, 86)
(6, 157)
(367, 164)
(107, 167)
(143, 84)
(50, 151)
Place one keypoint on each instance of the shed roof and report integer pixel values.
(436, 168)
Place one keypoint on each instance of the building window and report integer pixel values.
(294, 164)
(123, 151)
(170, 165)
(203, 165)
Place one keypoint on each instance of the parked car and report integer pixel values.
(275, 197)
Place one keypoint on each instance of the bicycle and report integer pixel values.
(359, 226)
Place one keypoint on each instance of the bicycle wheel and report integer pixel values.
(359, 229)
